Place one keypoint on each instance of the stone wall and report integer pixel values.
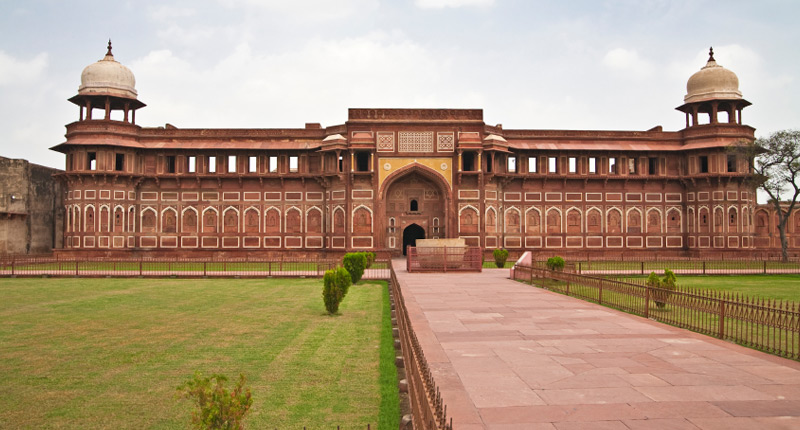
(31, 202)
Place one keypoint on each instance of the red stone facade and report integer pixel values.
(388, 176)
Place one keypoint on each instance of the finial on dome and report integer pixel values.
(710, 52)
(109, 48)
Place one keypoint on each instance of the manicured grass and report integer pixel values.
(784, 287)
(109, 353)
(490, 264)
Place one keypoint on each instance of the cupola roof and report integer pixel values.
(712, 82)
(108, 77)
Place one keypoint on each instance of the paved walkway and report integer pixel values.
(510, 356)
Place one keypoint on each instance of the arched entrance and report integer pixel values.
(414, 197)
(410, 236)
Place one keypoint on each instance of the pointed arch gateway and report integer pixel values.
(414, 195)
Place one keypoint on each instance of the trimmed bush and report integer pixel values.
(555, 263)
(336, 282)
(500, 257)
(217, 409)
(662, 288)
(370, 258)
(355, 263)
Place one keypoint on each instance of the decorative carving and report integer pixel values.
(614, 221)
(445, 142)
(415, 141)
(416, 114)
(385, 141)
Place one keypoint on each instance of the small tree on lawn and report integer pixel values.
(355, 263)
(500, 257)
(775, 169)
(336, 283)
(217, 408)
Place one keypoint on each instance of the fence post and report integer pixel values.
(76, 267)
(721, 319)
(704, 267)
(579, 267)
(13, 263)
(600, 295)
(647, 302)
(765, 266)
(140, 267)
(642, 267)
(205, 272)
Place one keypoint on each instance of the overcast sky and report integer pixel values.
(270, 64)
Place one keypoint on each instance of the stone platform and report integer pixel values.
(510, 356)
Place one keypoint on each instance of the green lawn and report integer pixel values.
(109, 353)
(784, 287)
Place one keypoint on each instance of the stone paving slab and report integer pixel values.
(510, 356)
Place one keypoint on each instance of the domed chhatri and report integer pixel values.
(712, 82)
(110, 86)
(108, 77)
(712, 91)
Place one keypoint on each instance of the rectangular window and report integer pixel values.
(231, 164)
(293, 164)
(612, 165)
(119, 162)
(731, 163)
(252, 164)
(170, 167)
(468, 161)
(592, 164)
(212, 164)
(552, 165)
(362, 161)
(533, 164)
(273, 164)
(573, 165)
(703, 164)
(631, 166)
(512, 165)
(652, 166)
(91, 160)
(341, 163)
(489, 162)
(191, 164)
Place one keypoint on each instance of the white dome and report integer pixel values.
(712, 82)
(108, 77)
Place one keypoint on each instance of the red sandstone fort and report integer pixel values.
(387, 177)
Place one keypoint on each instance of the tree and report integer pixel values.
(217, 408)
(775, 166)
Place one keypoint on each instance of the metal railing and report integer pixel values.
(730, 266)
(768, 325)
(176, 267)
(444, 259)
(428, 410)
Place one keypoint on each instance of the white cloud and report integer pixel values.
(15, 71)
(309, 10)
(441, 4)
(316, 83)
(628, 62)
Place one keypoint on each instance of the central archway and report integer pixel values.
(417, 195)
(410, 236)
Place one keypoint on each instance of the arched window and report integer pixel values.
(414, 206)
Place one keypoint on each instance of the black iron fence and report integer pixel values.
(769, 325)
(428, 409)
(179, 268)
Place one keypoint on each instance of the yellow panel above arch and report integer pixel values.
(442, 166)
